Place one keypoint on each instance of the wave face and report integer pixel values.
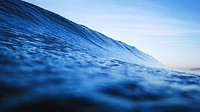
(49, 63)
(31, 21)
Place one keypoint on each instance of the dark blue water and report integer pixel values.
(49, 63)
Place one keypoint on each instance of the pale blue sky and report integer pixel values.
(168, 30)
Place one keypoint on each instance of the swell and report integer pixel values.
(49, 63)
(33, 20)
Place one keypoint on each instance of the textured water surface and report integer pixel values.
(48, 63)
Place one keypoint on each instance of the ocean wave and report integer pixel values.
(49, 63)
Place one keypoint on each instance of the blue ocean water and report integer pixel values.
(49, 63)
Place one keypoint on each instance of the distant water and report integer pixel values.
(50, 64)
(193, 71)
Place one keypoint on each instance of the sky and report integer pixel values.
(168, 30)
